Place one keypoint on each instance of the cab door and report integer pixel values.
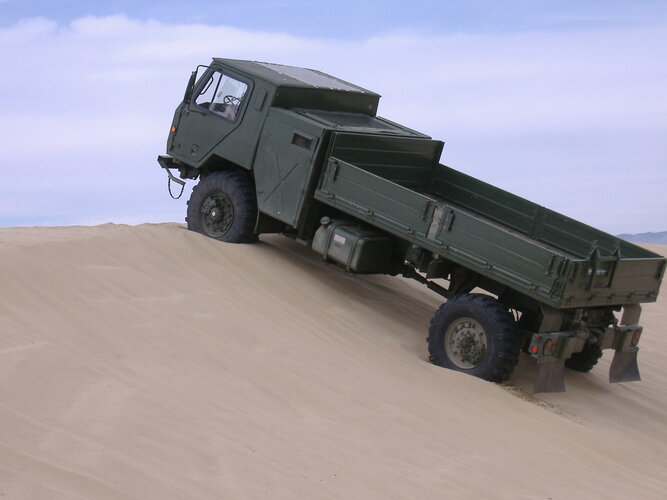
(214, 111)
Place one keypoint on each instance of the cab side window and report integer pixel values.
(223, 95)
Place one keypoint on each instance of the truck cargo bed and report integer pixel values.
(552, 258)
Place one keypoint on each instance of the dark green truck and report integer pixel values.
(281, 149)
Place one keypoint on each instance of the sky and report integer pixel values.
(561, 102)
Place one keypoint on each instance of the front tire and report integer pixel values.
(223, 205)
(473, 333)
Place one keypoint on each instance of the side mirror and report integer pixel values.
(190, 87)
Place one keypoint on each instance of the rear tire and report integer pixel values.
(585, 360)
(473, 333)
(223, 206)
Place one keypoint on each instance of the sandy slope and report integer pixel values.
(149, 362)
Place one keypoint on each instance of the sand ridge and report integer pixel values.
(149, 362)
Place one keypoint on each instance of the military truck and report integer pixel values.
(282, 149)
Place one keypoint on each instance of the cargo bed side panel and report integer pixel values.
(459, 235)
(531, 219)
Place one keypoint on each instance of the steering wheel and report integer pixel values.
(230, 99)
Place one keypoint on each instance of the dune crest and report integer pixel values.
(150, 362)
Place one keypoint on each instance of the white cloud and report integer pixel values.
(573, 120)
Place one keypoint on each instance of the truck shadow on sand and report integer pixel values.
(406, 306)
(410, 307)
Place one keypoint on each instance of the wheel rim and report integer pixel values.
(217, 214)
(465, 343)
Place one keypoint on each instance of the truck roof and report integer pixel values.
(292, 76)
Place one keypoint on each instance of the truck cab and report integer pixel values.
(272, 122)
(227, 102)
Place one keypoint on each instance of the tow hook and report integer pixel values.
(171, 178)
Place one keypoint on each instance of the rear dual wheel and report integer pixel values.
(474, 334)
(586, 359)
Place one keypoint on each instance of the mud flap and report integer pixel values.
(549, 376)
(624, 366)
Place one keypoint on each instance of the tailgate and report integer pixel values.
(602, 280)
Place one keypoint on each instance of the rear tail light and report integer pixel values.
(549, 348)
(543, 346)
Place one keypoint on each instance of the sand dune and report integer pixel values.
(150, 362)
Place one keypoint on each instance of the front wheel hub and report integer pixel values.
(217, 213)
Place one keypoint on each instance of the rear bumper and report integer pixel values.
(551, 350)
(561, 345)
